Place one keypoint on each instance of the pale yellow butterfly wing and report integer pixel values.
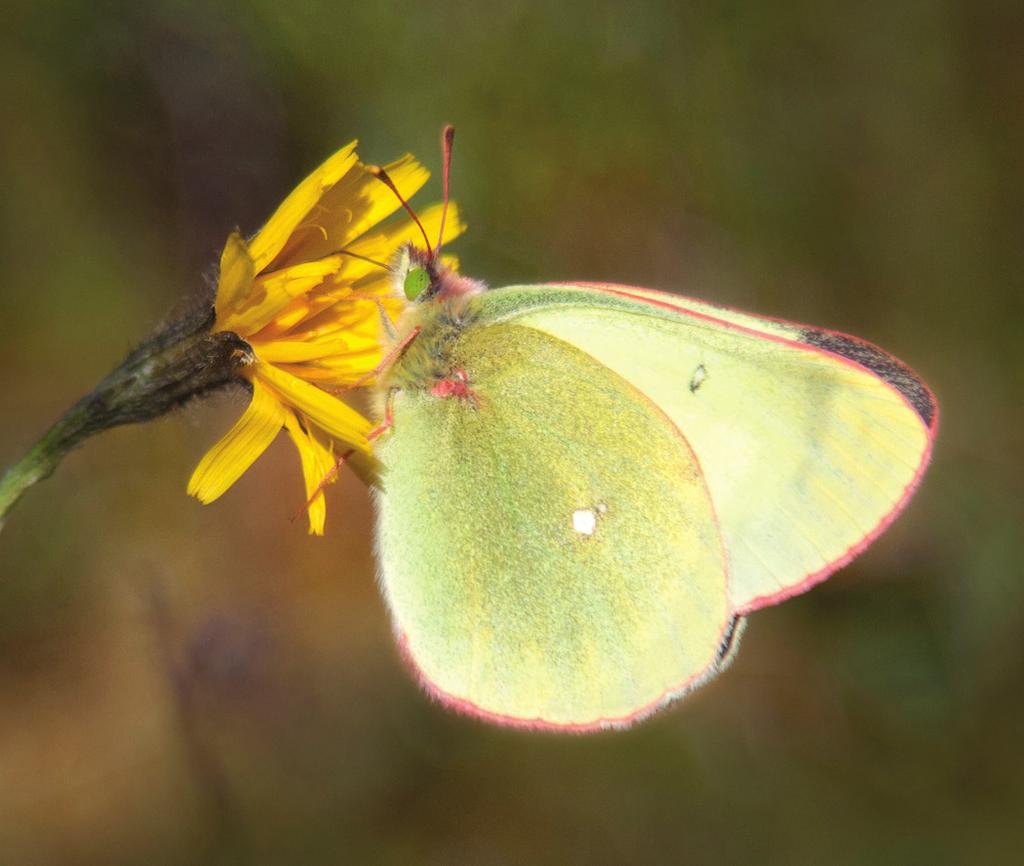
(810, 441)
(549, 549)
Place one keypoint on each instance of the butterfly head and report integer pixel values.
(416, 274)
(420, 277)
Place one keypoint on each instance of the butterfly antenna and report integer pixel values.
(447, 139)
(385, 178)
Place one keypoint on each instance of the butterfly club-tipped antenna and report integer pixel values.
(443, 283)
(447, 140)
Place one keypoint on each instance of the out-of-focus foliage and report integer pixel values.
(207, 685)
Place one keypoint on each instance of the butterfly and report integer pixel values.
(588, 487)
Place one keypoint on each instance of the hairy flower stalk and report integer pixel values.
(298, 317)
(179, 362)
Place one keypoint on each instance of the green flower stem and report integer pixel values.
(179, 362)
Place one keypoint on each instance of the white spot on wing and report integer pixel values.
(584, 521)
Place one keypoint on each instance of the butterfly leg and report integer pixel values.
(389, 417)
(384, 363)
(386, 321)
(329, 477)
(332, 473)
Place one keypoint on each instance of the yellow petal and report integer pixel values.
(352, 324)
(336, 419)
(335, 372)
(269, 241)
(351, 207)
(357, 274)
(235, 281)
(317, 463)
(304, 348)
(302, 308)
(272, 292)
(341, 306)
(225, 462)
(336, 286)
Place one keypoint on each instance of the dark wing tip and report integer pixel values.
(882, 364)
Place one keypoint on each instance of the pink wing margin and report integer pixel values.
(840, 347)
(468, 708)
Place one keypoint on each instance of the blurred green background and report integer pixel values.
(188, 684)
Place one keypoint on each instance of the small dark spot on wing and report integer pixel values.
(882, 364)
(698, 378)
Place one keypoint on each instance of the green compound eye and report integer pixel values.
(415, 282)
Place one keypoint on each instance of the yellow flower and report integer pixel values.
(306, 296)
